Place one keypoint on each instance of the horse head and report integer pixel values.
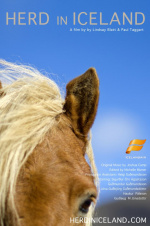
(56, 185)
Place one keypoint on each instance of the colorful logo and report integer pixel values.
(135, 145)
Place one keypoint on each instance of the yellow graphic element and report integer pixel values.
(137, 142)
(134, 145)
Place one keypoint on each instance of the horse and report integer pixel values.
(45, 176)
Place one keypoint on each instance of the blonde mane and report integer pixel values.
(27, 112)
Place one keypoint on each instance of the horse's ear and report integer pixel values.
(1, 93)
(81, 101)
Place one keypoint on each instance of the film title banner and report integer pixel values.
(80, 19)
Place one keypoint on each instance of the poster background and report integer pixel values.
(122, 61)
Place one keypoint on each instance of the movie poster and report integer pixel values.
(65, 39)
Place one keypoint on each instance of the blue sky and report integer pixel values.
(122, 61)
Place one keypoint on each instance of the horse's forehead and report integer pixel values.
(65, 149)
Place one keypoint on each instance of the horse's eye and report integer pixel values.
(84, 208)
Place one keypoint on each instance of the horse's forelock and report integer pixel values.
(27, 112)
